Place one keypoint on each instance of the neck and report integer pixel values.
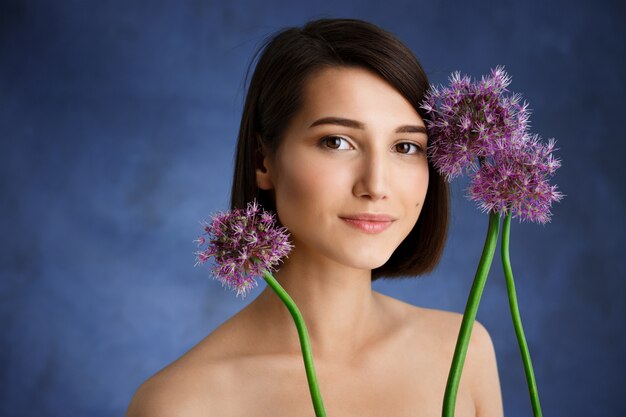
(339, 308)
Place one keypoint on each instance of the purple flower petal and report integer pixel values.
(472, 122)
(244, 244)
(516, 179)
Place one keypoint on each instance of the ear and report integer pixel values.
(263, 168)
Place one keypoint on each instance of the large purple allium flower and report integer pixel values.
(468, 118)
(244, 243)
(475, 128)
(516, 179)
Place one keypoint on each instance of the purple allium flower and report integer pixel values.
(467, 119)
(476, 122)
(244, 243)
(516, 179)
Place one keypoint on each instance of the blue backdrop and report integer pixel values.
(118, 123)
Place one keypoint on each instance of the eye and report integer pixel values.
(335, 140)
(418, 148)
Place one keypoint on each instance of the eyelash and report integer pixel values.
(419, 149)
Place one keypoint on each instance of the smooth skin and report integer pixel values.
(374, 355)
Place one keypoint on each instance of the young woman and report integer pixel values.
(333, 141)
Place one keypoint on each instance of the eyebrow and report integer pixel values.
(358, 125)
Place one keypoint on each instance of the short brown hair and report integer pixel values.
(274, 96)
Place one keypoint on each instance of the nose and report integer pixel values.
(371, 180)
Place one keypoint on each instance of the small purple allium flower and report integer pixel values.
(516, 179)
(244, 243)
(468, 119)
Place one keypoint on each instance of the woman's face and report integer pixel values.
(324, 172)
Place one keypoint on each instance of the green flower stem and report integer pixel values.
(318, 404)
(517, 322)
(454, 377)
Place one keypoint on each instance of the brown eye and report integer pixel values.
(407, 147)
(335, 142)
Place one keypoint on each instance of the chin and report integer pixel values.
(368, 260)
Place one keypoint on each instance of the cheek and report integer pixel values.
(302, 187)
(314, 180)
(414, 191)
(423, 184)
(414, 186)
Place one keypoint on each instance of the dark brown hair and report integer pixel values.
(274, 96)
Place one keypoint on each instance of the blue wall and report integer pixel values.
(118, 123)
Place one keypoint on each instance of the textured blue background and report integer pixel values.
(118, 123)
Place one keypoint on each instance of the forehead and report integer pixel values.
(355, 93)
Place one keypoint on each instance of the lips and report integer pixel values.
(372, 217)
(368, 226)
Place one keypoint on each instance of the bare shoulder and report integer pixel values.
(444, 326)
(431, 330)
(193, 385)
(160, 395)
(180, 389)
(439, 326)
(480, 369)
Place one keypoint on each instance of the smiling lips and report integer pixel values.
(369, 222)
